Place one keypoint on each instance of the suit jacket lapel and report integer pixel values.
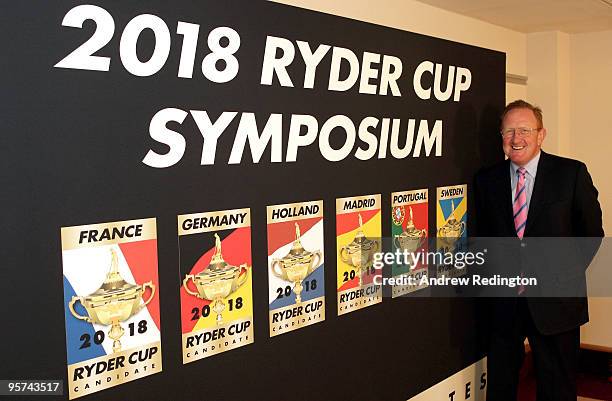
(538, 195)
(504, 188)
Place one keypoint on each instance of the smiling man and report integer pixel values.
(536, 194)
(522, 133)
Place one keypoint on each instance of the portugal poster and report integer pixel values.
(409, 225)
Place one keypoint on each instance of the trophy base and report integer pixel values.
(116, 332)
(218, 306)
(297, 289)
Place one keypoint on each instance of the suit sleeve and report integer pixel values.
(586, 209)
(586, 214)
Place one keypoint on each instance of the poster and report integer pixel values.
(296, 271)
(111, 303)
(216, 282)
(409, 236)
(358, 239)
(451, 227)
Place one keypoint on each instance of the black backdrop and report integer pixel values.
(72, 148)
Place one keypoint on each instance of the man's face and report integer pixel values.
(521, 149)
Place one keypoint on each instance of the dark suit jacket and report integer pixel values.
(563, 232)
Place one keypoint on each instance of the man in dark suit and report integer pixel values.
(543, 206)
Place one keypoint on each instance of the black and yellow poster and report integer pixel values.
(216, 273)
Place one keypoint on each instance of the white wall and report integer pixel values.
(548, 70)
(591, 109)
(570, 78)
(590, 86)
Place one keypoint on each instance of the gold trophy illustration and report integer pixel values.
(115, 301)
(450, 232)
(217, 281)
(359, 253)
(297, 264)
(411, 238)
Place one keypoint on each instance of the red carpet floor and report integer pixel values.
(594, 385)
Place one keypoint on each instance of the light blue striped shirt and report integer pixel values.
(532, 170)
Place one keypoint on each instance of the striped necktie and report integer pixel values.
(520, 211)
(520, 203)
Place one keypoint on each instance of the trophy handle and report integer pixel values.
(396, 241)
(242, 277)
(275, 263)
(344, 255)
(313, 265)
(74, 300)
(144, 287)
(462, 228)
(186, 287)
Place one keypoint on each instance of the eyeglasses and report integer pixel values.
(522, 132)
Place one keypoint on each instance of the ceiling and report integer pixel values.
(571, 16)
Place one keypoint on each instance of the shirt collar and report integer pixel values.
(531, 166)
